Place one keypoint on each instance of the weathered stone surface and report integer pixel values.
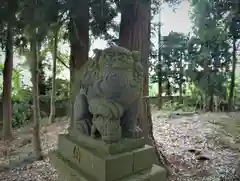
(67, 171)
(99, 165)
(104, 143)
(143, 158)
(102, 165)
(110, 89)
(123, 145)
(70, 172)
(156, 173)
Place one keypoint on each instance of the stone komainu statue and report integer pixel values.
(110, 90)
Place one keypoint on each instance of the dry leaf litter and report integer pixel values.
(189, 143)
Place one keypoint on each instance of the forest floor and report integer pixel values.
(200, 147)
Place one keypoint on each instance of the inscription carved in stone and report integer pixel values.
(76, 154)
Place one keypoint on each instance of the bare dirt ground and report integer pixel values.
(201, 147)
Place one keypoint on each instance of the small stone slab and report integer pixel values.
(124, 145)
(70, 172)
(67, 171)
(143, 158)
(156, 173)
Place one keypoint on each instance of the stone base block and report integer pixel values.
(101, 165)
(96, 161)
(70, 172)
(99, 145)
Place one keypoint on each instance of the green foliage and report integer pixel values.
(103, 13)
(22, 103)
(210, 50)
(202, 59)
(198, 63)
(62, 88)
(16, 86)
(174, 59)
(237, 90)
(22, 113)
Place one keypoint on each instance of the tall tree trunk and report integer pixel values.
(181, 80)
(159, 68)
(135, 35)
(35, 92)
(207, 72)
(79, 44)
(232, 83)
(72, 97)
(211, 102)
(53, 96)
(135, 31)
(7, 85)
(169, 89)
(41, 77)
(205, 103)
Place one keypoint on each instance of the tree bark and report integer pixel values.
(135, 35)
(53, 96)
(135, 31)
(207, 72)
(7, 86)
(159, 68)
(79, 45)
(211, 102)
(181, 80)
(41, 77)
(232, 83)
(148, 134)
(35, 93)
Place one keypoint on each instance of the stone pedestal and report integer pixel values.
(81, 158)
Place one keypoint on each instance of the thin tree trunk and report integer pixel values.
(181, 79)
(168, 88)
(232, 84)
(159, 64)
(53, 96)
(35, 92)
(72, 97)
(41, 77)
(206, 71)
(38, 72)
(205, 103)
(211, 102)
(7, 86)
(79, 44)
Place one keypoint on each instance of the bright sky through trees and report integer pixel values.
(178, 21)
